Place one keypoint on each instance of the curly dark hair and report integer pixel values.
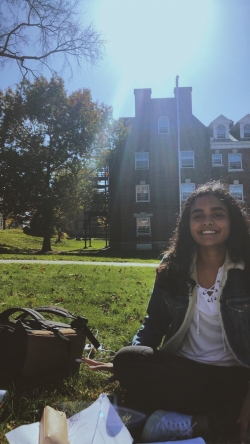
(182, 247)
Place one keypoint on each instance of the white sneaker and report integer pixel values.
(4, 395)
(167, 426)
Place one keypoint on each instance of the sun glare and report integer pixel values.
(151, 41)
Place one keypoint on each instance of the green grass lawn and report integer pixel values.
(114, 300)
(14, 244)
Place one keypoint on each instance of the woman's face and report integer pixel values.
(209, 222)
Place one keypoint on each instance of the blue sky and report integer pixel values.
(149, 42)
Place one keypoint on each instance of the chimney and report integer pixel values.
(142, 100)
(185, 100)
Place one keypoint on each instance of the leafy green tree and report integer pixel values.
(52, 135)
(9, 157)
(92, 181)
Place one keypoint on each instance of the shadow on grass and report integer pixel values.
(104, 252)
(127, 254)
(28, 396)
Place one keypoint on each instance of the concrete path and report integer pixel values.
(40, 261)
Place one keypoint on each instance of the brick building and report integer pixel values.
(145, 172)
(230, 155)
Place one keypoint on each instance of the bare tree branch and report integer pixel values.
(34, 31)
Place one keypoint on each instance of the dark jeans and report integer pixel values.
(157, 380)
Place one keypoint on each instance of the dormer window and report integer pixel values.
(246, 129)
(163, 125)
(221, 132)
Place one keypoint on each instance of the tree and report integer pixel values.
(33, 31)
(51, 135)
(10, 192)
(91, 183)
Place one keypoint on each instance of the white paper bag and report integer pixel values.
(98, 424)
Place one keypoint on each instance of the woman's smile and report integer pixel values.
(209, 221)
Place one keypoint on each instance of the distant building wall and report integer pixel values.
(144, 173)
(154, 135)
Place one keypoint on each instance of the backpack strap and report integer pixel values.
(78, 321)
(59, 311)
(4, 316)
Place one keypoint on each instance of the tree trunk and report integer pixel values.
(47, 212)
(47, 229)
(59, 235)
(46, 243)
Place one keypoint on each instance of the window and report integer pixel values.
(163, 125)
(142, 193)
(235, 161)
(237, 191)
(187, 159)
(246, 129)
(186, 190)
(221, 132)
(216, 159)
(143, 225)
(141, 161)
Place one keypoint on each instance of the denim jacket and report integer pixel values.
(169, 317)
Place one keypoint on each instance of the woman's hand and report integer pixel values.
(244, 419)
(101, 366)
(96, 365)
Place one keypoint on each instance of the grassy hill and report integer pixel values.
(15, 244)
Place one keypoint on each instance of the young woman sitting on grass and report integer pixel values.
(196, 383)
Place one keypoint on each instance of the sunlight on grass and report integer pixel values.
(108, 296)
(14, 244)
(114, 299)
(16, 239)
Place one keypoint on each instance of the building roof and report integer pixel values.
(220, 119)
